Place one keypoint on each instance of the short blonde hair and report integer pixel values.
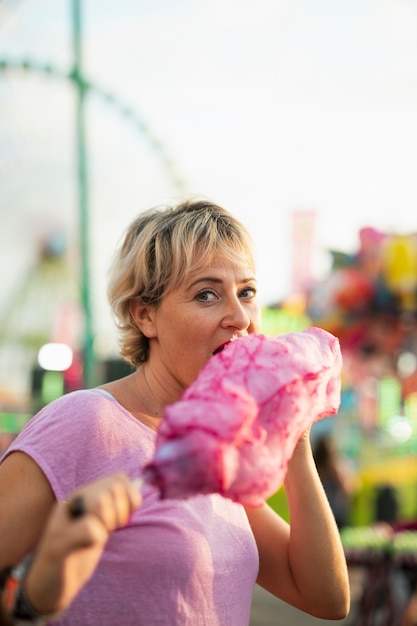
(159, 248)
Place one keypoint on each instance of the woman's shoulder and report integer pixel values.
(93, 395)
(75, 415)
(79, 437)
(92, 401)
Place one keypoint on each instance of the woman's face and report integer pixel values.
(213, 305)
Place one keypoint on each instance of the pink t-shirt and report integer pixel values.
(179, 562)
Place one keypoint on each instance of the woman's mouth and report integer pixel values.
(220, 348)
(223, 345)
(226, 343)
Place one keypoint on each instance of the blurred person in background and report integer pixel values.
(336, 476)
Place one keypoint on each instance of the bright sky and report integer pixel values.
(267, 107)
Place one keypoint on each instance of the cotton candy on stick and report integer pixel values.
(235, 428)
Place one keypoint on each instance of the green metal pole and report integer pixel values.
(77, 76)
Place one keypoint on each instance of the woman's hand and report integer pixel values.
(74, 539)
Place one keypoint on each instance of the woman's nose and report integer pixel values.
(236, 315)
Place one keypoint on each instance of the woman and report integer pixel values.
(182, 285)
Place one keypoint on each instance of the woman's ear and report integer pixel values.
(143, 316)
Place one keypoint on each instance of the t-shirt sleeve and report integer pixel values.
(74, 440)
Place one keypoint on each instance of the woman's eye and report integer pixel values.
(206, 296)
(248, 292)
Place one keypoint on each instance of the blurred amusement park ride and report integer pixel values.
(368, 300)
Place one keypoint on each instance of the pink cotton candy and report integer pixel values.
(235, 428)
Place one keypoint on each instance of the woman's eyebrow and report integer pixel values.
(205, 279)
(217, 280)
